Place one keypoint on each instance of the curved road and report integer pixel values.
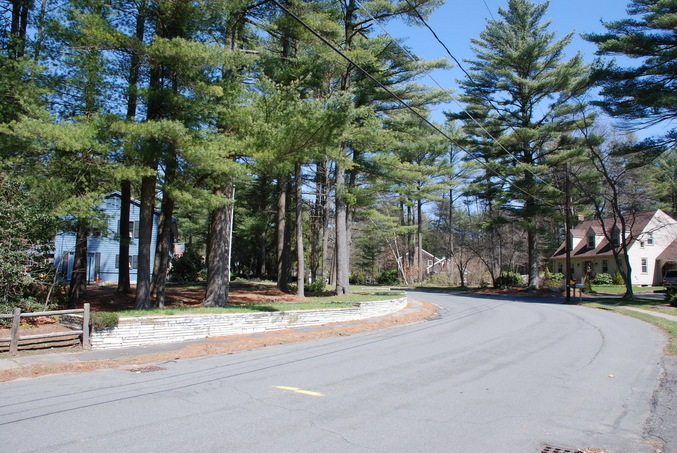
(489, 375)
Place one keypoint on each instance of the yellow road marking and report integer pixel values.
(298, 390)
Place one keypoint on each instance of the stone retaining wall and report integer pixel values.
(148, 330)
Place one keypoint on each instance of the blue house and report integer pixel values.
(103, 247)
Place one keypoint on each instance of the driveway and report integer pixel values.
(489, 375)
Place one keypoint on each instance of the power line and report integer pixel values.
(400, 100)
(472, 81)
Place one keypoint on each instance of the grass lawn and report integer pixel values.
(620, 289)
(258, 297)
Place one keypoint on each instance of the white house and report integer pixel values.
(652, 247)
(103, 247)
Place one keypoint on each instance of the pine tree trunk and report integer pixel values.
(300, 258)
(218, 273)
(281, 234)
(78, 283)
(145, 239)
(316, 222)
(124, 285)
(342, 253)
(161, 264)
(325, 260)
(419, 239)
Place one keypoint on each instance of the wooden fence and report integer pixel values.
(16, 322)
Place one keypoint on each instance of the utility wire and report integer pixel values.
(472, 81)
(400, 100)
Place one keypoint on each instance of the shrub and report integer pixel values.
(603, 279)
(357, 278)
(315, 287)
(552, 280)
(389, 277)
(508, 280)
(103, 319)
(618, 279)
(186, 268)
(202, 275)
(671, 297)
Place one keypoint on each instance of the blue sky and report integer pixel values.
(457, 21)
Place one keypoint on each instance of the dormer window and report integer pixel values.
(591, 241)
(649, 239)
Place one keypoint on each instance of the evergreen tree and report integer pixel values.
(646, 94)
(520, 95)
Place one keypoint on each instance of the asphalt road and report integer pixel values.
(488, 376)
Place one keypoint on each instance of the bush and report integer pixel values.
(509, 280)
(202, 275)
(103, 319)
(357, 278)
(603, 279)
(389, 277)
(618, 279)
(671, 297)
(315, 287)
(187, 267)
(552, 280)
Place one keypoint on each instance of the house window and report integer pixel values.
(560, 268)
(133, 262)
(430, 263)
(645, 266)
(641, 244)
(133, 229)
(649, 239)
(605, 266)
(591, 241)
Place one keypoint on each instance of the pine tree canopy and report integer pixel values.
(645, 94)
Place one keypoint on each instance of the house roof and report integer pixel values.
(635, 225)
(670, 253)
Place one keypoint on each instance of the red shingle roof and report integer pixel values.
(635, 225)
(670, 253)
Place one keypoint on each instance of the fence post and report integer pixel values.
(14, 339)
(85, 328)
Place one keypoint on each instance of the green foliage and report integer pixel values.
(315, 287)
(551, 280)
(671, 297)
(103, 319)
(187, 267)
(508, 280)
(357, 278)
(644, 93)
(519, 64)
(26, 275)
(389, 277)
(618, 279)
(603, 279)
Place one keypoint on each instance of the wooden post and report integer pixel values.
(85, 328)
(14, 339)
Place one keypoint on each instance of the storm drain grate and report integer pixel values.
(549, 449)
